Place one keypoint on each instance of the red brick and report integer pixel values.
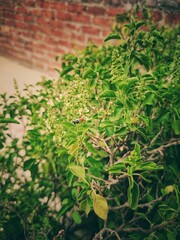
(54, 24)
(20, 10)
(64, 43)
(91, 30)
(42, 46)
(96, 10)
(81, 18)
(75, 8)
(102, 21)
(46, 30)
(10, 22)
(46, 5)
(19, 17)
(68, 26)
(59, 6)
(47, 14)
(31, 3)
(20, 25)
(36, 12)
(114, 11)
(41, 21)
(64, 16)
(61, 34)
(58, 50)
(33, 27)
(28, 18)
(77, 37)
(8, 14)
(9, 8)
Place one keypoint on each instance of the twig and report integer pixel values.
(126, 204)
(157, 135)
(160, 149)
(100, 234)
(149, 204)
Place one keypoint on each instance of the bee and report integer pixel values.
(76, 121)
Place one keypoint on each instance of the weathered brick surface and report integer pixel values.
(35, 31)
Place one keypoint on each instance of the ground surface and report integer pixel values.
(10, 70)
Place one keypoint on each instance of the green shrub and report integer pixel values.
(102, 140)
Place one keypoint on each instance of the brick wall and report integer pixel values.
(35, 31)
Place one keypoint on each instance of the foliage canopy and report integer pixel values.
(101, 142)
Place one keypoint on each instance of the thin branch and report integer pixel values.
(149, 204)
(157, 135)
(159, 226)
(99, 235)
(160, 149)
(126, 204)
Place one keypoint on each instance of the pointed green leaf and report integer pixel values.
(8, 120)
(107, 94)
(133, 193)
(176, 127)
(64, 209)
(148, 166)
(66, 70)
(78, 171)
(139, 24)
(89, 73)
(90, 147)
(73, 148)
(76, 217)
(112, 36)
(84, 206)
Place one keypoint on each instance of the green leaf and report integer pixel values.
(34, 171)
(117, 114)
(148, 166)
(84, 206)
(78, 171)
(100, 206)
(112, 36)
(150, 98)
(89, 73)
(64, 209)
(1, 145)
(73, 149)
(122, 131)
(139, 24)
(137, 149)
(90, 147)
(145, 119)
(109, 130)
(28, 164)
(76, 217)
(116, 168)
(66, 70)
(107, 94)
(133, 193)
(106, 124)
(8, 120)
(176, 126)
